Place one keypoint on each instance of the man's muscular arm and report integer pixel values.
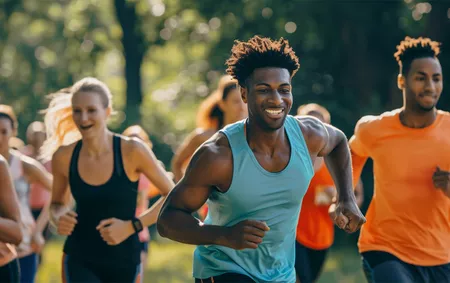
(326, 141)
(210, 168)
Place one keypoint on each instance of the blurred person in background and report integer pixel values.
(101, 170)
(39, 196)
(407, 234)
(25, 171)
(16, 143)
(315, 229)
(224, 106)
(10, 225)
(145, 190)
(36, 136)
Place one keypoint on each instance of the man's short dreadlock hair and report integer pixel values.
(413, 48)
(260, 52)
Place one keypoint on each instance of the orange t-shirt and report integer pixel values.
(315, 228)
(407, 217)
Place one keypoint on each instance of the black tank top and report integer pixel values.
(115, 198)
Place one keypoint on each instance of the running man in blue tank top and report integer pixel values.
(254, 174)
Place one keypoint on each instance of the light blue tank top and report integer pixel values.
(258, 194)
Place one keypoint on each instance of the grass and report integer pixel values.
(171, 262)
(342, 266)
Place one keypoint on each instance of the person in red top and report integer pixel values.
(315, 229)
(407, 234)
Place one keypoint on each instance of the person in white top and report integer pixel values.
(24, 171)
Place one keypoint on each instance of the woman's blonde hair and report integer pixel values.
(60, 127)
(209, 114)
(139, 132)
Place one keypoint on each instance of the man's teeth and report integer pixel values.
(275, 112)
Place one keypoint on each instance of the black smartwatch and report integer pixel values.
(137, 224)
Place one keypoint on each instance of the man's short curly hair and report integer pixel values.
(260, 52)
(413, 48)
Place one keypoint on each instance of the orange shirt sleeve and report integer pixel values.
(360, 145)
(361, 139)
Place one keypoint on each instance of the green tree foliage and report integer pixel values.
(161, 58)
(47, 46)
(345, 47)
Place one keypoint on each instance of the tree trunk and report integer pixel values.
(133, 50)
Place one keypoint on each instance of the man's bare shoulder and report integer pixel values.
(314, 132)
(320, 137)
(212, 163)
(310, 125)
(215, 150)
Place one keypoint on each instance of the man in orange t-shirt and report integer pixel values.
(315, 229)
(407, 234)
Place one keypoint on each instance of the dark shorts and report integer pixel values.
(28, 268)
(10, 272)
(383, 267)
(74, 270)
(308, 262)
(226, 278)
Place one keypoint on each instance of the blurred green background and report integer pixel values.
(162, 57)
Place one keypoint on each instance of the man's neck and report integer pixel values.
(262, 140)
(415, 119)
